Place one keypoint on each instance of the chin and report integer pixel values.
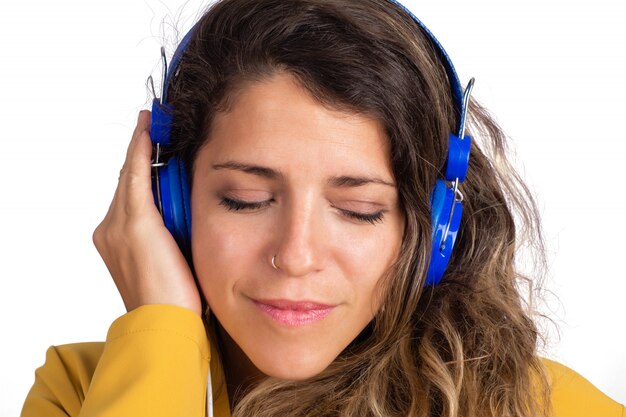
(296, 366)
(287, 372)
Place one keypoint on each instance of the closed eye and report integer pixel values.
(236, 205)
(231, 204)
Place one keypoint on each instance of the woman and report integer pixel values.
(312, 133)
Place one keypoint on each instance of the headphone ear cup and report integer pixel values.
(185, 199)
(175, 200)
(441, 200)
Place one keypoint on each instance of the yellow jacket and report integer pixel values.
(155, 362)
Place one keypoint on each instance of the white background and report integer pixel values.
(72, 79)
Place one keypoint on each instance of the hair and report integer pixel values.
(466, 347)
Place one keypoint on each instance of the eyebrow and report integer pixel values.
(343, 181)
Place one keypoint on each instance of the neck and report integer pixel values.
(240, 373)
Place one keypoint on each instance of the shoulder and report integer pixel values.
(76, 358)
(63, 380)
(574, 396)
(71, 365)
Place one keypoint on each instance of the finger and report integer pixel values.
(143, 141)
(143, 124)
(135, 175)
(139, 153)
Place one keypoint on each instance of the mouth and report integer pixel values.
(294, 313)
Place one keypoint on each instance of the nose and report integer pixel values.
(300, 234)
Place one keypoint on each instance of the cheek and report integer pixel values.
(220, 255)
(365, 257)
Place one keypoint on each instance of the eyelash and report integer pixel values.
(236, 205)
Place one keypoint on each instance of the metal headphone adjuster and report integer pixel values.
(458, 196)
(156, 163)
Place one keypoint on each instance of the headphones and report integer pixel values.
(170, 185)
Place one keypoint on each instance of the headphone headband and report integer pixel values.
(455, 83)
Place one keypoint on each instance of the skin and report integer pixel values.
(323, 254)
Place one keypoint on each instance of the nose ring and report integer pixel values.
(273, 263)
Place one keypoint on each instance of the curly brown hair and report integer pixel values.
(466, 347)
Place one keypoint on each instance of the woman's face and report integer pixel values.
(299, 167)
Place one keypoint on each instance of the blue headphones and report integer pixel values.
(171, 187)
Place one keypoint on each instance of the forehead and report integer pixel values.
(277, 122)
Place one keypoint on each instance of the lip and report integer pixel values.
(294, 313)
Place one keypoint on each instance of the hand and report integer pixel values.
(142, 256)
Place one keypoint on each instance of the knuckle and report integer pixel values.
(134, 179)
(96, 236)
(99, 236)
(106, 236)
